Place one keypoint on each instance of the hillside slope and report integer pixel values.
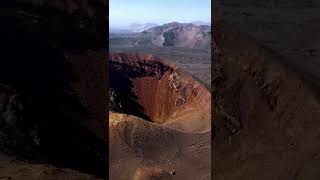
(266, 119)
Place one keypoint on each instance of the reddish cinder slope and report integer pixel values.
(266, 119)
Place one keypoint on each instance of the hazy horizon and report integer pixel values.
(123, 13)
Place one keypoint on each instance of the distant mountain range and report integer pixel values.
(132, 28)
(199, 23)
(139, 27)
(136, 27)
(174, 34)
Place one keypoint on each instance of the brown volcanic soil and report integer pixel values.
(18, 170)
(266, 119)
(160, 120)
(289, 27)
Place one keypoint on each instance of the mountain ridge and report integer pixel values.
(172, 34)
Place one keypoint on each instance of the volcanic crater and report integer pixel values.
(159, 120)
(157, 91)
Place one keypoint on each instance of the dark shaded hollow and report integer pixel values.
(41, 122)
(122, 85)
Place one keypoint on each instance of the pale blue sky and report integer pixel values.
(125, 12)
